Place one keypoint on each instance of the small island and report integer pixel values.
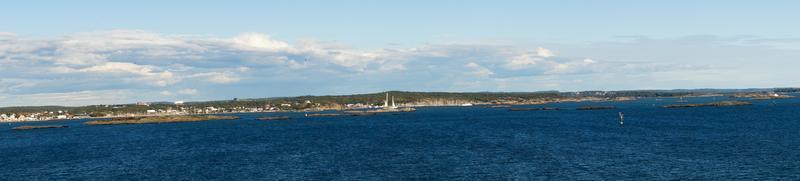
(761, 96)
(38, 127)
(712, 104)
(159, 119)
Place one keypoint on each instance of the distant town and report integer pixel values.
(361, 101)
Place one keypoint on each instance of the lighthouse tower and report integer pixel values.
(393, 106)
(386, 102)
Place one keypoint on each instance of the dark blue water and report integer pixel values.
(749, 142)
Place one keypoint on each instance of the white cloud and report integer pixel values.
(391, 67)
(478, 70)
(542, 52)
(166, 93)
(187, 91)
(70, 98)
(472, 65)
(7, 35)
(145, 74)
(224, 79)
(12, 85)
(258, 42)
(523, 61)
(79, 58)
(588, 61)
(217, 77)
(543, 61)
(123, 39)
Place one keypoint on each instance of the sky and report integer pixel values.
(83, 52)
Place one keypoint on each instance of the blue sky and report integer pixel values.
(99, 52)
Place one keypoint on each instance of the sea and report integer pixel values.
(756, 142)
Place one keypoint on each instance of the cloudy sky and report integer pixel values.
(100, 52)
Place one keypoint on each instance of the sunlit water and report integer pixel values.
(748, 142)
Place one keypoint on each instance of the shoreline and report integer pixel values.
(409, 105)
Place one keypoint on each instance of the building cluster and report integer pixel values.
(39, 116)
(361, 106)
(177, 108)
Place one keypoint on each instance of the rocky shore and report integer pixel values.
(761, 96)
(712, 104)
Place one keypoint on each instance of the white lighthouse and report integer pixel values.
(393, 106)
(386, 101)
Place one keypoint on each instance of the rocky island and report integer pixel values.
(159, 119)
(38, 127)
(712, 104)
(762, 96)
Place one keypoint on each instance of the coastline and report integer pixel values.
(196, 110)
